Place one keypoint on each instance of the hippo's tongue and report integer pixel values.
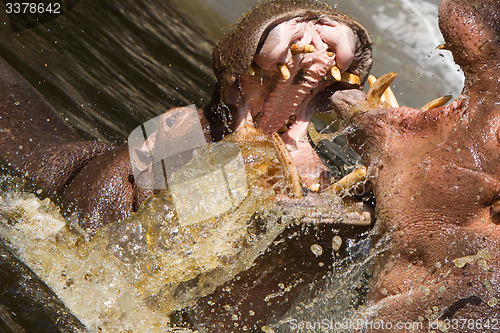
(299, 64)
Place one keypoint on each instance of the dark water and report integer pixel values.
(108, 66)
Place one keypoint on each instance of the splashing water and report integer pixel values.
(131, 274)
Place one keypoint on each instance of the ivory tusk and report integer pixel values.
(289, 168)
(436, 103)
(379, 87)
(388, 95)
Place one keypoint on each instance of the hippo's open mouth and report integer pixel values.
(298, 66)
(286, 69)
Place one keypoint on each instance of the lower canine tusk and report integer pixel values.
(388, 95)
(436, 103)
(285, 72)
(379, 87)
(349, 181)
(289, 168)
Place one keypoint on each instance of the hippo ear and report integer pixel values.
(471, 30)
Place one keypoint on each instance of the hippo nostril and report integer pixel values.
(258, 116)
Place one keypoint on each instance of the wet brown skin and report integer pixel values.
(95, 177)
(436, 178)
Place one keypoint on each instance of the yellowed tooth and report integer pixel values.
(371, 79)
(335, 71)
(388, 95)
(297, 48)
(351, 78)
(300, 48)
(309, 48)
(250, 71)
(442, 47)
(289, 168)
(349, 181)
(378, 88)
(436, 103)
(330, 54)
(315, 187)
(285, 72)
(391, 98)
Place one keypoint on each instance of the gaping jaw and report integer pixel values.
(301, 57)
(296, 69)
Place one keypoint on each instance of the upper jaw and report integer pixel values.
(303, 54)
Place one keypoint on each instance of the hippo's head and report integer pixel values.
(436, 178)
(279, 65)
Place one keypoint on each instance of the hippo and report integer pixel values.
(441, 262)
(436, 178)
(324, 51)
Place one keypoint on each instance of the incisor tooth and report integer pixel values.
(336, 73)
(309, 48)
(351, 78)
(315, 187)
(388, 95)
(379, 87)
(300, 48)
(437, 103)
(250, 71)
(285, 72)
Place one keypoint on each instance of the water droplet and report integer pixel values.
(317, 250)
(336, 243)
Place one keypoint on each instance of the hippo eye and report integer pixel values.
(171, 121)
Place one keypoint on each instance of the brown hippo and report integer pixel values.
(436, 178)
(322, 52)
(441, 263)
(278, 66)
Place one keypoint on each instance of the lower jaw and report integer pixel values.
(314, 174)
